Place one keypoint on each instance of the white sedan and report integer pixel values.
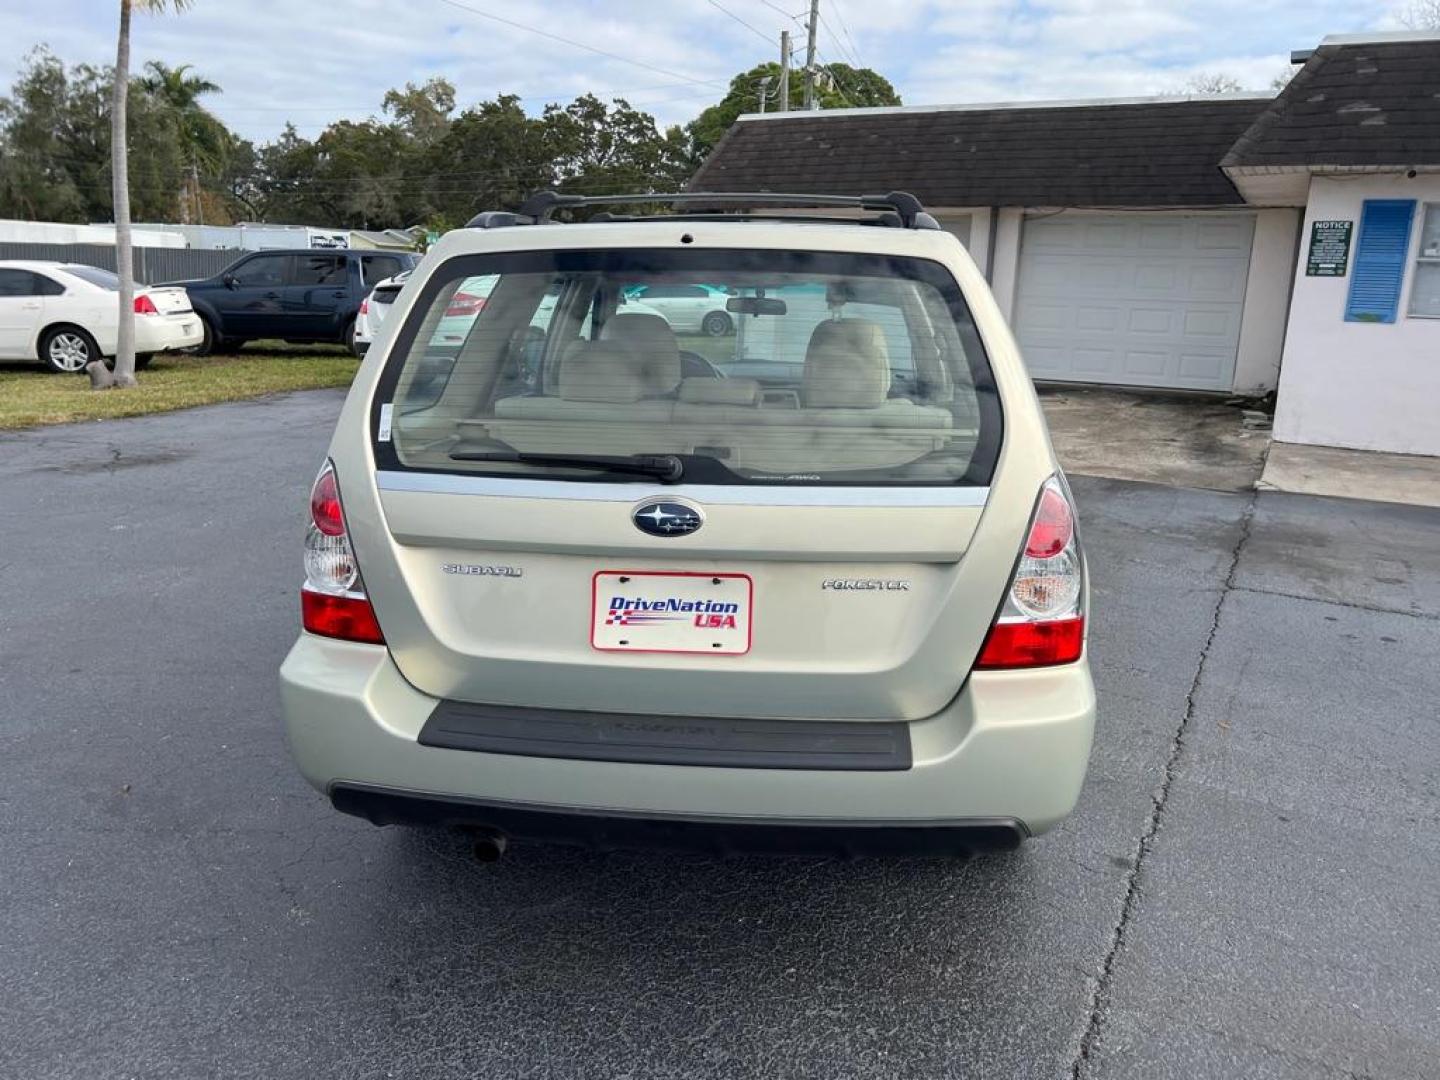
(65, 315)
(688, 308)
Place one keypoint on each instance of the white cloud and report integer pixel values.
(311, 63)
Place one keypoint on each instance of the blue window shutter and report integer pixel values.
(1380, 260)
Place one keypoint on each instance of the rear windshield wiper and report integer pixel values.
(665, 467)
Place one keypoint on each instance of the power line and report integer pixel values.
(724, 10)
(854, 61)
(580, 44)
(776, 7)
(840, 15)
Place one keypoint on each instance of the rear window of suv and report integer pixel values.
(835, 369)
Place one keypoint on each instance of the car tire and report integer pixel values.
(348, 336)
(66, 350)
(717, 324)
(209, 339)
(142, 360)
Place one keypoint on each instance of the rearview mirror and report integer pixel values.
(755, 305)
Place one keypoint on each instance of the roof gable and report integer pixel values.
(1152, 153)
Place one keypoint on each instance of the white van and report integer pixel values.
(813, 585)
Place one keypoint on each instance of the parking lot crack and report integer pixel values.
(1100, 994)
(1378, 609)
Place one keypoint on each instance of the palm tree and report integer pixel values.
(205, 142)
(120, 170)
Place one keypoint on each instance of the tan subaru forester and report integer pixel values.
(800, 575)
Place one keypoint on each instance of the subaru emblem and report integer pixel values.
(666, 518)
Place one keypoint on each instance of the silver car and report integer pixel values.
(814, 586)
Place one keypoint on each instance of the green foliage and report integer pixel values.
(424, 160)
(839, 87)
(55, 146)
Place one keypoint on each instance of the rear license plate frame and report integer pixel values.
(604, 633)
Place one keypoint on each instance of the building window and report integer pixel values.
(1381, 256)
(1425, 289)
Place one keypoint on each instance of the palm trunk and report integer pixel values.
(120, 169)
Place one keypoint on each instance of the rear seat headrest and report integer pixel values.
(653, 342)
(603, 371)
(707, 391)
(847, 366)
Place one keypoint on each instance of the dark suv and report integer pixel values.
(302, 295)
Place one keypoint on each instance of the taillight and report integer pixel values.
(463, 303)
(1043, 619)
(145, 306)
(333, 601)
(365, 306)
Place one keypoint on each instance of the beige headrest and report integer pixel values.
(653, 342)
(602, 371)
(846, 366)
(703, 391)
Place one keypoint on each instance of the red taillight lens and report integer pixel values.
(348, 617)
(145, 306)
(1053, 526)
(1043, 618)
(1033, 644)
(325, 504)
(463, 303)
(365, 306)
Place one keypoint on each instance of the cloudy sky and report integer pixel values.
(310, 62)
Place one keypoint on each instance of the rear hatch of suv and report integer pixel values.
(578, 507)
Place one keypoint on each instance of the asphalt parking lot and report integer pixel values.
(1250, 886)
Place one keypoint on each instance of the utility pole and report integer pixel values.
(812, 29)
(784, 70)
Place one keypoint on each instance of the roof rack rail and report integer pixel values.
(537, 209)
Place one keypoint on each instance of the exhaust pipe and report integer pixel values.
(488, 845)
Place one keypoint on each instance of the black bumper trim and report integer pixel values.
(718, 742)
(613, 829)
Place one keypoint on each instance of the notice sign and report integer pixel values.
(1329, 248)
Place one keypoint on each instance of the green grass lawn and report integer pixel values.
(30, 396)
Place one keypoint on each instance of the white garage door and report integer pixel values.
(1133, 299)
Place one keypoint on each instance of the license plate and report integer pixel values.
(643, 611)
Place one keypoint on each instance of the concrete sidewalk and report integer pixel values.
(1352, 474)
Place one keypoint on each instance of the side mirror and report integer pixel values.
(230, 281)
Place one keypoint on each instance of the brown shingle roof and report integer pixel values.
(1370, 103)
(1160, 153)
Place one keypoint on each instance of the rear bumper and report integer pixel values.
(720, 836)
(166, 333)
(1009, 753)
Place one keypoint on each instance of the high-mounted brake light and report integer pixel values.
(333, 601)
(1042, 622)
(145, 306)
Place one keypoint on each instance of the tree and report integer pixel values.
(1422, 15)
(1211, 82)
(840, 86)
(423, 112)
(120, 170)
(204, 141)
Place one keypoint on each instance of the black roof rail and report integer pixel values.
(538, 208)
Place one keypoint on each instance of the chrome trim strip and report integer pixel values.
(712, 494)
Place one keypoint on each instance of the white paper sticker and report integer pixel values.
(385, 412)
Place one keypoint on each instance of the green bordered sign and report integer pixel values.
(1329, 248)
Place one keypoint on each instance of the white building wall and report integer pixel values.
(1005, 262)
(1369, 386)
(1267, 297)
